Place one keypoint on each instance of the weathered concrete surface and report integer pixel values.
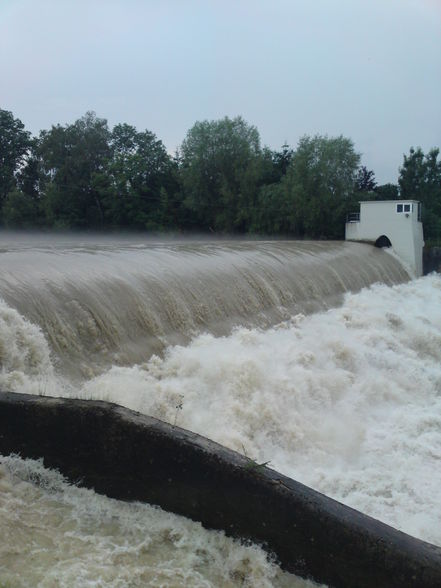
(129, 456)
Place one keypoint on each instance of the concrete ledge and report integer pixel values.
(130, 456)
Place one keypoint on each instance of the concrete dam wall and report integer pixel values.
(129, 456)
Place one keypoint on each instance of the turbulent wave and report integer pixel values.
(25, 357)
(54, 534)
(346, 399)
(102, 304)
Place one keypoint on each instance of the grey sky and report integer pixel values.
(370, 70)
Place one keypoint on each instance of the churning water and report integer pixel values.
(284, 351)
(105, 304)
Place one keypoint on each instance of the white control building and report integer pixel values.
(390, 223)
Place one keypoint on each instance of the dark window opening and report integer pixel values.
(404, 208)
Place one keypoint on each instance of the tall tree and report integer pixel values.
(319, 185)
(143, 178)
(22, 205)
(365, 180)
(74, 157)
(420, 179)
(282, 159)
(220, 170)
(14, 146)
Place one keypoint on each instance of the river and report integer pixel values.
(322, 358)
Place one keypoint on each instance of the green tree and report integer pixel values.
(73, 161)
(221, 167)
(143, 181)
(20, 211)
(22, 205)
(319, 185)
(275, 164)
(273, 214)
(365, 180)
(29, 177)
(14, 146)
(281, 160)
(420, 179)
(386, 192)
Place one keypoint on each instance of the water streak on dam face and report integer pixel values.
(103, 302)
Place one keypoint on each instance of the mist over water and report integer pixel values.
(270, 349)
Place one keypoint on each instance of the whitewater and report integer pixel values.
(340, 390)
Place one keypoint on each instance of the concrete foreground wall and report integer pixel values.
(129, 456)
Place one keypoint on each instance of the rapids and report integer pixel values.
(57, 535)
(318, 357)
(102, 303)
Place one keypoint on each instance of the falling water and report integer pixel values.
(318, 357)
(104, 303)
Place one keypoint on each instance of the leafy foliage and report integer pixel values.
(142, 176)
(220, 172)
(387, 192)
(86, 175)
(20, 210)
(320, 184)
(72, 158)
(420, 179)
(365, 180)
(15, 143)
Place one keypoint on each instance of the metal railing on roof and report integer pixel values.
(353, 217)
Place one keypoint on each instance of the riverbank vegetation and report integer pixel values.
(221, 180)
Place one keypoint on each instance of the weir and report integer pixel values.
(102, 303)
(130, 456)
(300, 394)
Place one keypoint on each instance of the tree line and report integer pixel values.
(87, 176)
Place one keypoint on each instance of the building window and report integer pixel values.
(404, 208)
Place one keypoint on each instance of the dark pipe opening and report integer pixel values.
(383, 241)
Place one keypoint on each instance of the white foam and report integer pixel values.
(60, 535)
(25, 359)
(347, 401)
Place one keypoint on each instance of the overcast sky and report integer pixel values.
(370, 70)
